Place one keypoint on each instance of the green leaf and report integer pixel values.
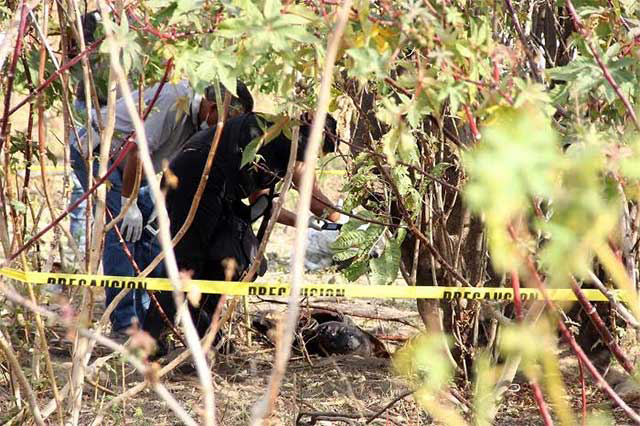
(385, 268)
(271, 8)
(355, 270)
(366, 61)
(249, 152)
(18, 206)
(464, 50)
(345, 255)
(348, 240)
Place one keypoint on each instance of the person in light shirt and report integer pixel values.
(178, 113)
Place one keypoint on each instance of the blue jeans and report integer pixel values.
(114, 259)
(78, 216)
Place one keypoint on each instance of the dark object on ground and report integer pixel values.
(325, 333)
(338, 338)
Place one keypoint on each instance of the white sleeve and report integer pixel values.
(161, 121)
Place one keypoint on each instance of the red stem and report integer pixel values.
(604, 332)
(537, 392)
(584, 394)
(4, 131)
(53, 77)
(146, 26)
(152, 296)
(123, 153)
(605, 71)
(544, 411)
(515, 284)
(12, 74)
(472, 122)
(29, 138)
(496, 73)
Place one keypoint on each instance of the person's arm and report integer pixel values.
(131, 226)
(318, 208)
(129, 173)
(285, 217)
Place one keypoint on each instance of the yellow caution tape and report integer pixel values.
(311, 290)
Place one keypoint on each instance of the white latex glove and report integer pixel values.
(131, 227)
(316, 223)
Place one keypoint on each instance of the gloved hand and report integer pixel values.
(131, 227)
(316, 223)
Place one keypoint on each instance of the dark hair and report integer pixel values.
(330, 134)
(90, 21)
(244, 97)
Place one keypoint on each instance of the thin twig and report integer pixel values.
(131, 392)
(222, 112)
(96, 336)
(523, 40)
(167, 71)
(124, 150)
(4, 131)
(403, 395)
(603, 331)
(537, 393)
(583, 388)
(57, 74)
(263, 408)
(275, 213)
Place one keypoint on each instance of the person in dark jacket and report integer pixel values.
(221, 228)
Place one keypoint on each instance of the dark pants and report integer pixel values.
(202, 315)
